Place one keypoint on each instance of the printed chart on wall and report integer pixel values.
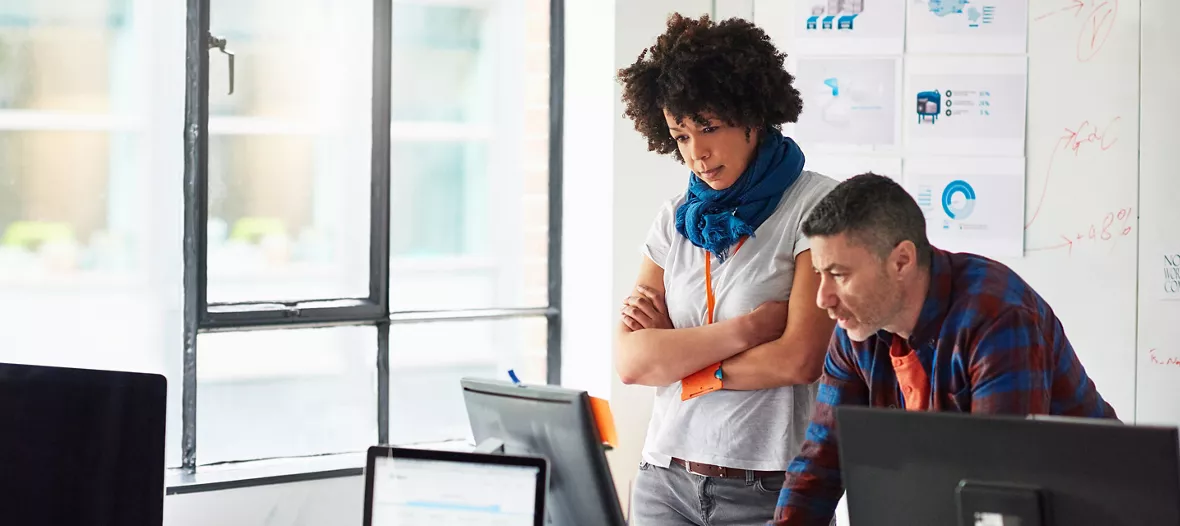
(850, 104)
(968, 26)
(966, 106)
(971, 204)
(838, 27)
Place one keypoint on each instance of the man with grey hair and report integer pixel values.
(921, 329)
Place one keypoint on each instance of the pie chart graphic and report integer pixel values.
(958, 200)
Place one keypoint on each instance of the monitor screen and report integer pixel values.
(421, 492)
(81, 446)
(916, 467)
(557, 424)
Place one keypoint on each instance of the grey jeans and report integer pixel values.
(675, 497)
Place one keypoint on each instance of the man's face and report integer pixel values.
(859, 290)
(717, 152)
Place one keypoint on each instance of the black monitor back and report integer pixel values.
(904, 467)
(81, 447)
(557, 424)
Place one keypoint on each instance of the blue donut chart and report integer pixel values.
(958, 187)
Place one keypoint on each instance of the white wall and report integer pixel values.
(613, 187)
(588, 186)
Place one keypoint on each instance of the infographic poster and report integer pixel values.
(971, 204)
(967, 26)
(848, 27)
(965, 106)
(849, 104)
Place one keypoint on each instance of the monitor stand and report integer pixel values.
(990, 503)
(495, 446)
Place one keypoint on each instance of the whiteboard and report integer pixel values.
(1081, 231)
(1158, 386)
(1082, 196)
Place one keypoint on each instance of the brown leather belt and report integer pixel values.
(709, 470)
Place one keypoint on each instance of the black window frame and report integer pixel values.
(200, 316)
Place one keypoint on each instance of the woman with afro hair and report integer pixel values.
(723, 318)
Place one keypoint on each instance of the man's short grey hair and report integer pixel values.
(875, 211)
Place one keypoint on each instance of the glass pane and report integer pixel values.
(440, 63)
(55, 214)
(91, 164)
(284, 393)
(428, 359)
(470, 210)
(64, 56)
(289, 151)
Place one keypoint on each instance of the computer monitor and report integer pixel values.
(421, 487)
(80, 446)
(557, 424)
(905, 467)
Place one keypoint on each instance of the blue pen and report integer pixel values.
(512, 375)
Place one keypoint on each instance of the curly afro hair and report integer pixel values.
(730, 69)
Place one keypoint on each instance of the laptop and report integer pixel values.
(420, 487)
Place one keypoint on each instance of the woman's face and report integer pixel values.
(716, 152)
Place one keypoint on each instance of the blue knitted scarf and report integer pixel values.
(716, 219)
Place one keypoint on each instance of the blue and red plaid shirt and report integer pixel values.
(990, 344)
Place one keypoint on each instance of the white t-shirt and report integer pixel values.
(758, 430)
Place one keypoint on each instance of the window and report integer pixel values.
(286, 393)
(289, 151)
(91, 165)
(470, 155)
(368, 218)
(428, 359)
(310, 244)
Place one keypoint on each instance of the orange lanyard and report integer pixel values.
(708, 379)
(710, 298)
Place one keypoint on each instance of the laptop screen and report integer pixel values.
(420, 492)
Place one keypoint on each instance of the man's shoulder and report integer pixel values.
(986, 290)
(973, 269)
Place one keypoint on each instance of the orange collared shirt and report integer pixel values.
(911, 376)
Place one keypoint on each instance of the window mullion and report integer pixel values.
(196, 201)
(556, 136)
(382, 115)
